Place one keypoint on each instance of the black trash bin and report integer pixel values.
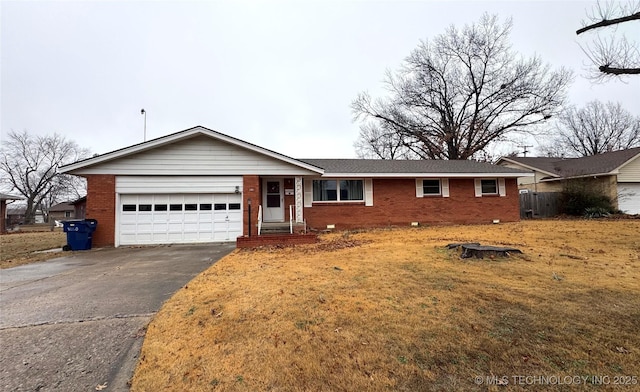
(79, 233)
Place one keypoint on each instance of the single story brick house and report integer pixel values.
(199, 185)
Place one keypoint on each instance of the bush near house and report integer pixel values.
(580, 197)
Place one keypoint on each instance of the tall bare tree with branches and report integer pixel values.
(29, 165)
(614, 55)
(597, 128)
(457, 94)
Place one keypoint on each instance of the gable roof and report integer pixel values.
(600, 164)
(413, 168)
(67, 206)
(178, 136)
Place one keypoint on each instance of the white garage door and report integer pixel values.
(629, 197)
(179, 218)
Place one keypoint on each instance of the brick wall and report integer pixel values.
(395, 204)
(101, 205)
(251, 190)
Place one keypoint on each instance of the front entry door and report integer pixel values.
(273, 200)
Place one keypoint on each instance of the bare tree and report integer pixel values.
(29, 165)
(615, 55)
(381, 142)
(460, 92)
(598, 128)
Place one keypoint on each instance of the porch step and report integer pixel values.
(280, 228)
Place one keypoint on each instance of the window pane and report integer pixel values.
(273, 201)
(129, 207)
(489, 187)
(220, 206)
(160, 207)
(191, 207)
(205, 207)
(234, 206)
(144, 207)
(325, 190)
(351, 190)
(175, 207)
(431, 187)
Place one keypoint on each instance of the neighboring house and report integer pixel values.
(3, 210)
(615, 174)
(62, 211)
(69, 210)
(199, 185)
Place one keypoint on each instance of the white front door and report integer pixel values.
(272, 200)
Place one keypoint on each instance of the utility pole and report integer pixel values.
(144, 113)
(524, 147)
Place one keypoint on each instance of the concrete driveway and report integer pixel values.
(77, 323)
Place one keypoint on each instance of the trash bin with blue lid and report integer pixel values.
(79, 233)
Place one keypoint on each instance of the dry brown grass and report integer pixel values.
(18, 248)
(393, 310)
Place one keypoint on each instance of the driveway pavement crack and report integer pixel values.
(90, 319)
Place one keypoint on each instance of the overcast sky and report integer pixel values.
(279, 74)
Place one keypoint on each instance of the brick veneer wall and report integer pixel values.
(250, 190)
(101, 205)
(395, 204)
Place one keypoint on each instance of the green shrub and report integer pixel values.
(579, 201)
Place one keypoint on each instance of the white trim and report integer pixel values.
(368, 192)
(419, 187)
(478, 186)
(444, 187)
(502, 188)
(425, 175)
(525, 166)
(116, 242)
(183, 135)
(299, 197)
(308, 192)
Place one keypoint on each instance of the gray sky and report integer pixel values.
(280, 74)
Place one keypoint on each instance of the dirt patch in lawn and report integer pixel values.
(18, 248)
(395, 310)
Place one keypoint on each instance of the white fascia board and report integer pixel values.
(164, 140)
(527, 166)
(611, 173)
(432, 175)
(637, 156)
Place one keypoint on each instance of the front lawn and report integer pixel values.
(18, 248)
(394, 310)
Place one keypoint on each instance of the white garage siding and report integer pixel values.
(178, 209)
(629, 197)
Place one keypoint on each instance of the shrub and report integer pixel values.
(578, 199)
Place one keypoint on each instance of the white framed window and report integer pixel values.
(490, 187)
(338, 190)
(432, 187)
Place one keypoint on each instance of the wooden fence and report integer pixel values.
(539, 204)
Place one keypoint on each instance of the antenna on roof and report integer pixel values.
(524, 147)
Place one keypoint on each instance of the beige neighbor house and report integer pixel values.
(616, 174)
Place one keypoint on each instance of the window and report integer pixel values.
(191, 207)
(205, 207)
(234, 206)
(338, 190)
(160, 207)
(431, 187)
(67, 214)
(129, 207)
(144, 207)
(489, 187)
(220, 206)
(175, 207)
